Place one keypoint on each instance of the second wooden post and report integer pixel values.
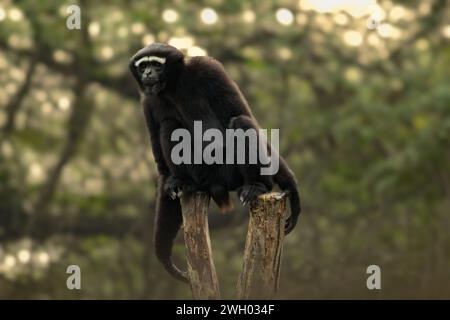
(262, 257)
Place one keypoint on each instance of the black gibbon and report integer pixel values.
(176, 92)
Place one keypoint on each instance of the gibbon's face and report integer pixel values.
(156, 65)
(150, 70)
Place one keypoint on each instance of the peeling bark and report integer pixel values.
(263, 248)
(201, 269)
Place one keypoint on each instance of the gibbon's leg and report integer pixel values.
(256, 184)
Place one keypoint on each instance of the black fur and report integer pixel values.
(185, 91)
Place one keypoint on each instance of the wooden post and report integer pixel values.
(201, 269)
(262, 257)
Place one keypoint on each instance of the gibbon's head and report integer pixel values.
(156, 66)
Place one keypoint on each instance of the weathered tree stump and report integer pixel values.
(201, 269)
(262, 257)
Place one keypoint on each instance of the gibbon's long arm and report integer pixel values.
(165, 226)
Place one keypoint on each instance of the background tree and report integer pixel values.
(359, 89)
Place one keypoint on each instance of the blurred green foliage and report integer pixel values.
(364, 118)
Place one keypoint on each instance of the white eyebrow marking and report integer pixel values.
(149, 59)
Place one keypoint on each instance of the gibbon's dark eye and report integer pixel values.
(142, 66)
(156, 64)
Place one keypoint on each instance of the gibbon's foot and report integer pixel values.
(175, 188)
(172, 187)
(249, 192)
(291, 221)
